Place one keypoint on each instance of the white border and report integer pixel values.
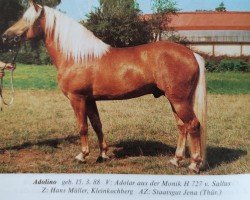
(25, 187)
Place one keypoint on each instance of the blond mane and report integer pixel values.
(70, 37)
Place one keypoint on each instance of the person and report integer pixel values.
(7, 66)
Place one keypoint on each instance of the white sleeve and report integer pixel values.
(2, 64)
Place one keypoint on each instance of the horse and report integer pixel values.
(89, 70)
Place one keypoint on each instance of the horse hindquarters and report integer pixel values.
(188, 100)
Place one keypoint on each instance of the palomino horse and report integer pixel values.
(89, 70)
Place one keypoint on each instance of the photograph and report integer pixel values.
(150, 87)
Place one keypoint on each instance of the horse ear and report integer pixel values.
(36, 6)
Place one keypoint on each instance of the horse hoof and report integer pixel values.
(103, 158)
(81, 158)
(193, 167)
(174, 161)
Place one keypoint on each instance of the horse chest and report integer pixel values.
(75, 80)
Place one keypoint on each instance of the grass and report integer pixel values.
(34, 77)
(228, 83)
(38, 133)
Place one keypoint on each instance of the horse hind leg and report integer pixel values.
(181, 143)
(95, 121)
(191, 126)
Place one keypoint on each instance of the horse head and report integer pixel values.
(27, 28)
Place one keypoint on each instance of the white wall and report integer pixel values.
(229, 50)
(246, 50)
(222, 49)
(207, 49)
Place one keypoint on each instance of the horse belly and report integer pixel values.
(119, 95)
(123, 83)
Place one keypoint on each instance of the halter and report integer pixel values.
(13, 62)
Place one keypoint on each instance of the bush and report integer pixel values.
(227, 64)
(211, 65)
(232, 65)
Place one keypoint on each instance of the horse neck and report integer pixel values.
(58, 58)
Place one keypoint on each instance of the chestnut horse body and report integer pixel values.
(89, 70)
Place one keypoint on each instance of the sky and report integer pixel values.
(79, 8)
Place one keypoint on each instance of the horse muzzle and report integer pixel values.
(12, 40)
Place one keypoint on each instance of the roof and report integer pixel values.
(210, 20)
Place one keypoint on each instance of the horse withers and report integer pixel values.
(89, 70)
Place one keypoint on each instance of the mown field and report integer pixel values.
(38, 133)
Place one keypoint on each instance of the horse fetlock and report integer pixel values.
(195, 167)
(180, 153)
(85, 151)
(103, 157)
(196, 163)
(176, 161)
(83, 155)
(103, 147)
(81, 158)
(196, 157)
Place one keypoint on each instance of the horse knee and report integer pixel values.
(193, 128)
(83, 131)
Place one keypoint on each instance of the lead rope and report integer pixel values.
(2, 100)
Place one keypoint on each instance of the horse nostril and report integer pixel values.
(17, 39)
(4, 37)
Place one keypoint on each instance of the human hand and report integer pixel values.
(1, 74)
(10, 67)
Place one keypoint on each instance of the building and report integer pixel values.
(214, 33)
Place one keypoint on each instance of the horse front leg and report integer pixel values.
(95, 121)
(79, 105)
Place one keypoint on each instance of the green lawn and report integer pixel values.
(44, 77)
(34, 77)
(228, 83)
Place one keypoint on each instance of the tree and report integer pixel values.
(50, 3)
(11, 10)
(221, 8)
(119, 23)
(163, 10)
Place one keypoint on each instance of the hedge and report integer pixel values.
(228, 64)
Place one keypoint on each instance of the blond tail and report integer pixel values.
(200, 105)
